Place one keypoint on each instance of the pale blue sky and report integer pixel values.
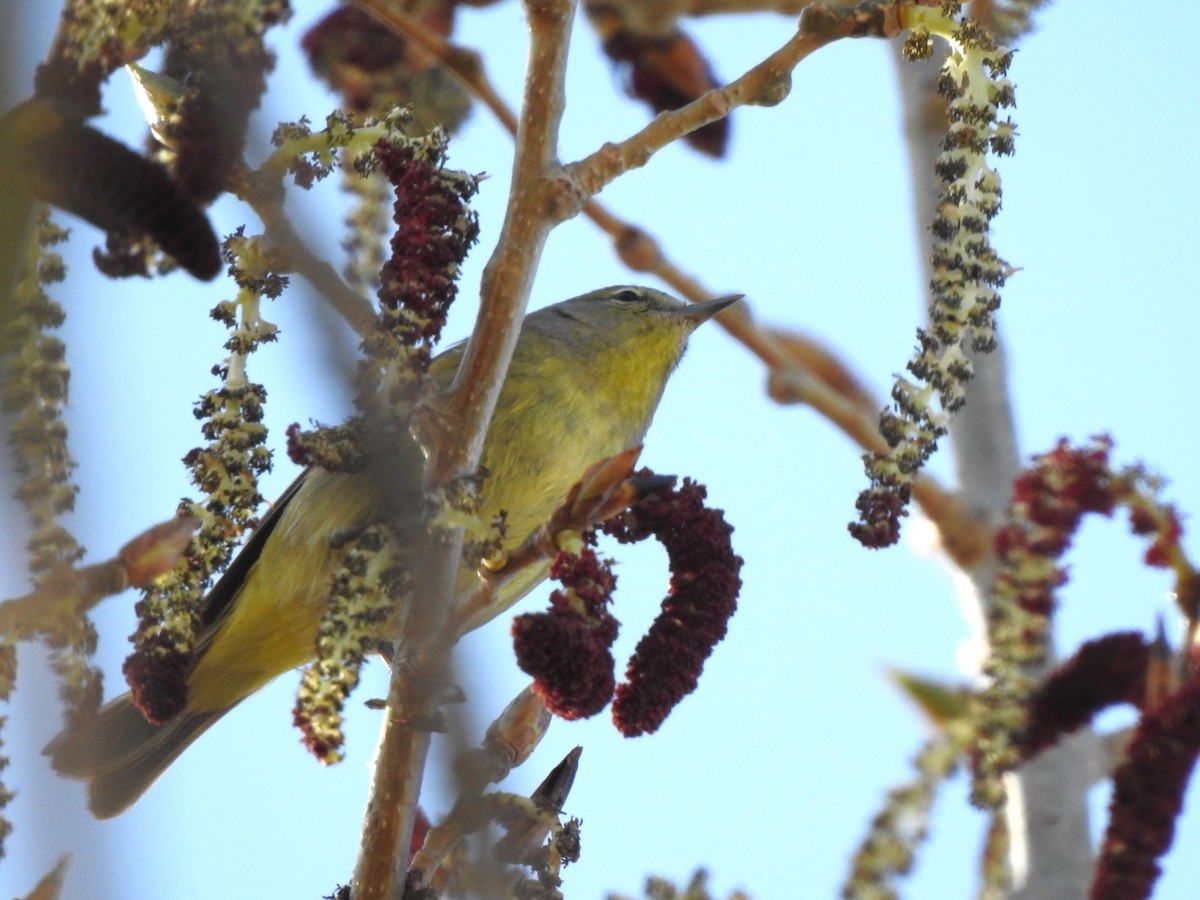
(768, 774)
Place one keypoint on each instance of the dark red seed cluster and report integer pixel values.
(568, 648)
(703, 594)
(434, 231)
(1101, 673)
(157, 674)
(880, 509)
(1147, 796)
(1049, 500)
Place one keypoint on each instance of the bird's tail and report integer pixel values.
(120, 754)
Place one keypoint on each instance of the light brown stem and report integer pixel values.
(765, 84)
(422, 651)
(508, 276)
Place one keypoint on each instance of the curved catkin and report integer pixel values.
(85, 172)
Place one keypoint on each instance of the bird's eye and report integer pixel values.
(627, 296)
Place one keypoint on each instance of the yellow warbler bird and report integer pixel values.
(585, 379)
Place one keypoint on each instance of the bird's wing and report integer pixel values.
(224, 592)
(222, 595)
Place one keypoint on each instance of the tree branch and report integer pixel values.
(423, 649)
(765, 84)
(508, 276)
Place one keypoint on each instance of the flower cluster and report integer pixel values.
(568, 649)
(705, 581)
(434, 231)
(376, 71)
(966, 270)
(1147, 797)
(1150, 782)
(227, 470)
(35, 392)
(335, 448)
(366, 588)
(310, 156)
(1101, 673)
(1049, 501)
(1149, 517)
(889, 848)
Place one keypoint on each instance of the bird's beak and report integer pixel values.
(702, 312)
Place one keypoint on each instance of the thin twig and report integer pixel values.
(66, 593)
(765, 84)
